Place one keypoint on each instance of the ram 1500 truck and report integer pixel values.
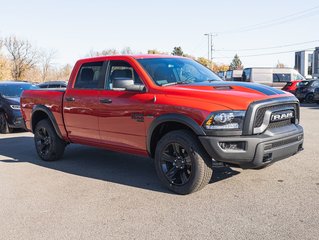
(172, 109)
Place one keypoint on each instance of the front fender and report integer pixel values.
(173, 117)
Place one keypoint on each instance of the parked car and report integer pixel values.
(10, 114)
(291, 86)
(234, 75)
(316, 95)
(53, 84)
(305, 91)
(170, 108)
(274, 77)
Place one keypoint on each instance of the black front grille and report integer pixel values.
(279, 124)
(286, 141)
(260, 114)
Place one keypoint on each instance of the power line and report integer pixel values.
(265, 48)
(266, 54)
(291, 17)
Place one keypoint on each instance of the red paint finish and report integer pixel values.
(291, 86)
(123, 125)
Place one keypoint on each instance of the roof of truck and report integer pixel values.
(136, 56)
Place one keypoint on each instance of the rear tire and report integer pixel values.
(4, 127)
(181, 163)
(47, 143)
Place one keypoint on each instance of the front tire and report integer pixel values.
(309, 98)
(181, 163)
(47, 143)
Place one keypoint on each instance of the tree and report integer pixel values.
(220, 67)
(177, 51)
(126, 50)
(280, 65)
(64, 72)
(204, 61)
(236, 63)
(4, 68)
(104, 52)
(155, 51)
(22, 55)
(46, 61)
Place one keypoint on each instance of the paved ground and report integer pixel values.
(96, 194)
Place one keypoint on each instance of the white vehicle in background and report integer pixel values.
(234, 75)
(222, 74)
(274, 77)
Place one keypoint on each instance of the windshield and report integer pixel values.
(14, 90)
(167, 71)
(303, 83)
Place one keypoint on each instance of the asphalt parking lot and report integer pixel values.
(97, 194)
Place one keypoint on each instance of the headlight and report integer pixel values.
(15, 107)
(225, 120)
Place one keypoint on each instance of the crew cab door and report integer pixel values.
(121, 111)
(81, 103)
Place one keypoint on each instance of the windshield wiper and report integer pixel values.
(179, 82)
(213, 80)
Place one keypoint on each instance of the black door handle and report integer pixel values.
(70, 99)
(106, 100)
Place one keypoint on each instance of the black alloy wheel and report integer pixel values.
(43, 142)
(181, 162)
(49, 145)
(176, 164)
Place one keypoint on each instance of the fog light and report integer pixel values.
(300, 137)
(18, 120)
(232, 146)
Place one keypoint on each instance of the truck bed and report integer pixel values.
(50, 98)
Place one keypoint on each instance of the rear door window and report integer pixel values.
(90, 76)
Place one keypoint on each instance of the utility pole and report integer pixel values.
(209, 50)
(210, 45)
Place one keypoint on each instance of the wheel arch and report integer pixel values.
(166, 123)
(41, 112)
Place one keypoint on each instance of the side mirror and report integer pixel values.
(136, 88)
(127, 84)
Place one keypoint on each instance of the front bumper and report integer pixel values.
(258, 150)
(15, 119)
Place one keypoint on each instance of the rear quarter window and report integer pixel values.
(90, 76)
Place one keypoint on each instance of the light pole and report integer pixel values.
(209, 42)
(210, 45)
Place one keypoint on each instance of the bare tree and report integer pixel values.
(46, 62)
(63, 73)
(110, 51)
(22, 55)
(126, 50)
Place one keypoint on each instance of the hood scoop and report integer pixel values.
(223, 87)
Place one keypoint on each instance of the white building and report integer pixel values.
(304, 63)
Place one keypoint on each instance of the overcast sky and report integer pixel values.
(75, 27)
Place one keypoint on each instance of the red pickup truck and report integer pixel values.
(172, 109)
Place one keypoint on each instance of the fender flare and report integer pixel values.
(50, 115)
(173, 117)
